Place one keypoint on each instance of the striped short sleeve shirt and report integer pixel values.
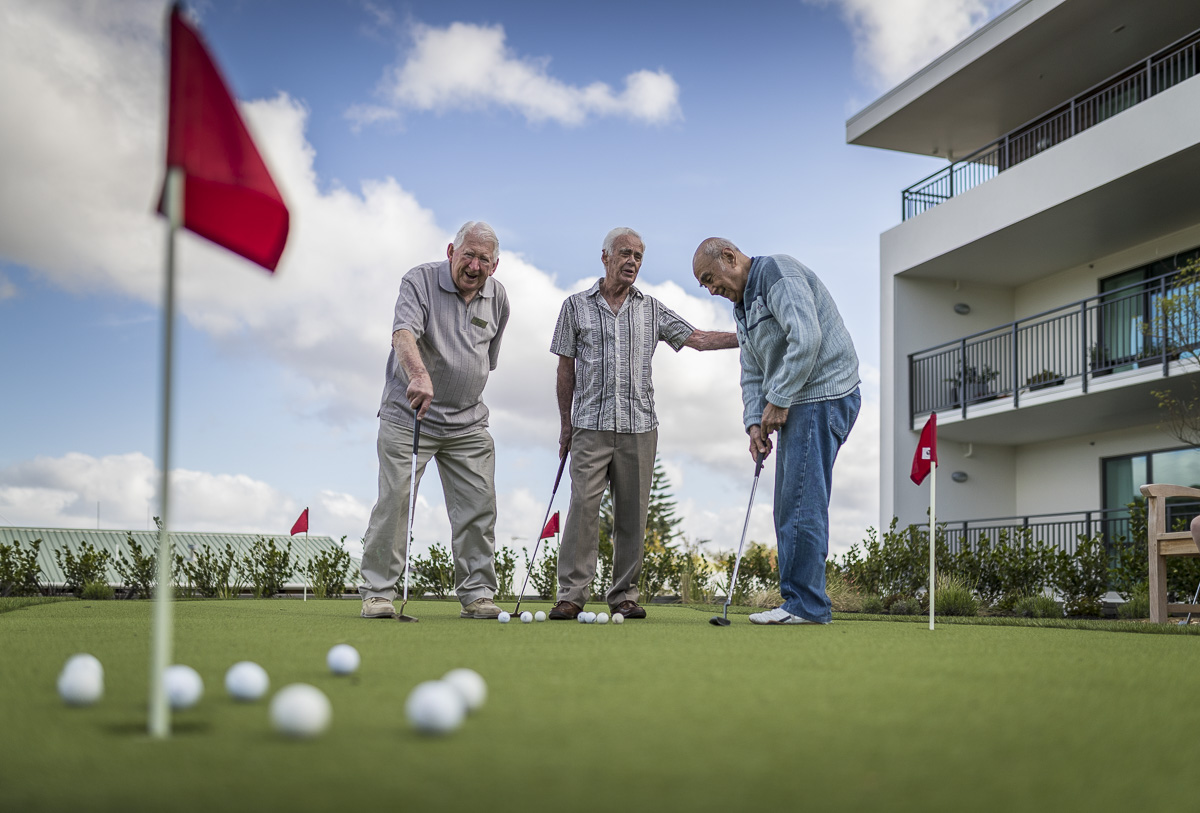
(459, 344)
(613, 354)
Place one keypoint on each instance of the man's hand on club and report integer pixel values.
(773, 418)
(420, 394)
(760, 444)
(564, 441)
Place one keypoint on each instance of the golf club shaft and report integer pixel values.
(561, 465)
(1194, 599)
(412, 502)
(758, 461)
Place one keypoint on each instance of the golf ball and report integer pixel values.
(503, 617)
(435, 707)
(300, 710)
(617, 618)
(591, 618)
(581, 618)
(343, 659)
(81, 681)
(539, 616)
(470, 686)
(184, 686)
(246, 681)
(526, 617)
(602, 618)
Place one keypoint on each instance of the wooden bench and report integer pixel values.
(1162, 542)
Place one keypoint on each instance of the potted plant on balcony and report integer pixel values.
(973, 384)
(1046, 378)
(1101, 358)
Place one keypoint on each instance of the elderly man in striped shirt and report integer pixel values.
(605, 339)
(450, 317)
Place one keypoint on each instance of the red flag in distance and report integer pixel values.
(301, 525)
(228, 195)
(551, 527)
(926, 454)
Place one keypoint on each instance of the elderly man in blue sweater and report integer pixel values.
(800, 378)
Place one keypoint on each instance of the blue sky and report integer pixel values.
(569, 119)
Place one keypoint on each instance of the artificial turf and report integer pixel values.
(670, 713)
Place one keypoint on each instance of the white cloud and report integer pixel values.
(469, 67)
(7, 289)
(894, 39)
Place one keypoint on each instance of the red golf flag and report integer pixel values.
(228, 195)
(551, 527)
(301, 525)
(926, 454)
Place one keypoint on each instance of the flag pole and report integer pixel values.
(932, 534)
(160, 658)
(307, 562)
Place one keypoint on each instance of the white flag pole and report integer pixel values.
(932, 534)
(305, 568)
(160, 653)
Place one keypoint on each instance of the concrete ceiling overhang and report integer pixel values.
(1158, 199)
(1026, 62)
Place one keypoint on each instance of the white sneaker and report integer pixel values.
(378, 607)
(779, 616)
(480, 608)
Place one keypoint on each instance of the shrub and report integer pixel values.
(661, 570)
(327, 571)
(694, 574)
(139, 571)
(543, 574)
(873, 605)
(767, 599)
(1037, 606)
(506, 568)
(91, 565)
(843, 595)
(19, 569)
(97, 591)
(1082, 577)
(434, 574)
(759, 571)
(213, 574)
(904, 606)
(267, 567)
(954, 596)
(1137, 605)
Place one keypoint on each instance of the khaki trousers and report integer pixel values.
(626, 461)
(467, 467)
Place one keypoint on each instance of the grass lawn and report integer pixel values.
(668, 714)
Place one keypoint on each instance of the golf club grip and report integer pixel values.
(758, 463)
(416, 434)
(562, 464)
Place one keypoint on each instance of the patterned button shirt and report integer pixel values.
(612, 352)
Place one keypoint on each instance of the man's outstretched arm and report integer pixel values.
(711, 340)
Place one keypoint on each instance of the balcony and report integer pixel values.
(1116, 345)
(1130, 87)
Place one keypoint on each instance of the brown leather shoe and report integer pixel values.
(630, 609)
(566, 611)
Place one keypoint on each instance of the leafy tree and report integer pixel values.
(661, 522)
(1176, 325)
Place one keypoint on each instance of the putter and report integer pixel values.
(723, 619)
(412, 507)
(1194, 599)
(561, 465)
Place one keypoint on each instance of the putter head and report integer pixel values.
(406, 618)
(718, 621)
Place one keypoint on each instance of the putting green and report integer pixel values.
(665, 714)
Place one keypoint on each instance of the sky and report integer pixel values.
(387, 125)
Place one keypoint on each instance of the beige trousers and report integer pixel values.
(467, 467)
(626, 461)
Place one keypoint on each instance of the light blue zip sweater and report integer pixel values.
(795, 349)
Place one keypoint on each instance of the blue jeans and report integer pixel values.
(807, 445)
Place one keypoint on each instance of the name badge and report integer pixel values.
(475, 320)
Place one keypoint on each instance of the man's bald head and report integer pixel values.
(721, 267)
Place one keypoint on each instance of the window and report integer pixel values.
(1123, 478)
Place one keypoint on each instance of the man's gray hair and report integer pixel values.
(479, 228)
(713, 246)
(611, 238)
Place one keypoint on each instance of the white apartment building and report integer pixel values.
(1014, 293)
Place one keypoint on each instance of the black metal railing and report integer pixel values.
(1060, 530)
(1084, 340)
(1153, 75)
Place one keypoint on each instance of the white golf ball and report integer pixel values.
(591, 618)
(343, 659)
(617, 618)
(246, 681)
(581, 618)
(83, 660)
(526, 617)
(435, 707)
(602, 618)
(300, 710)
(81, 682)
(184, 686)
(470, 686)
(539, 616)
(503, 617)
